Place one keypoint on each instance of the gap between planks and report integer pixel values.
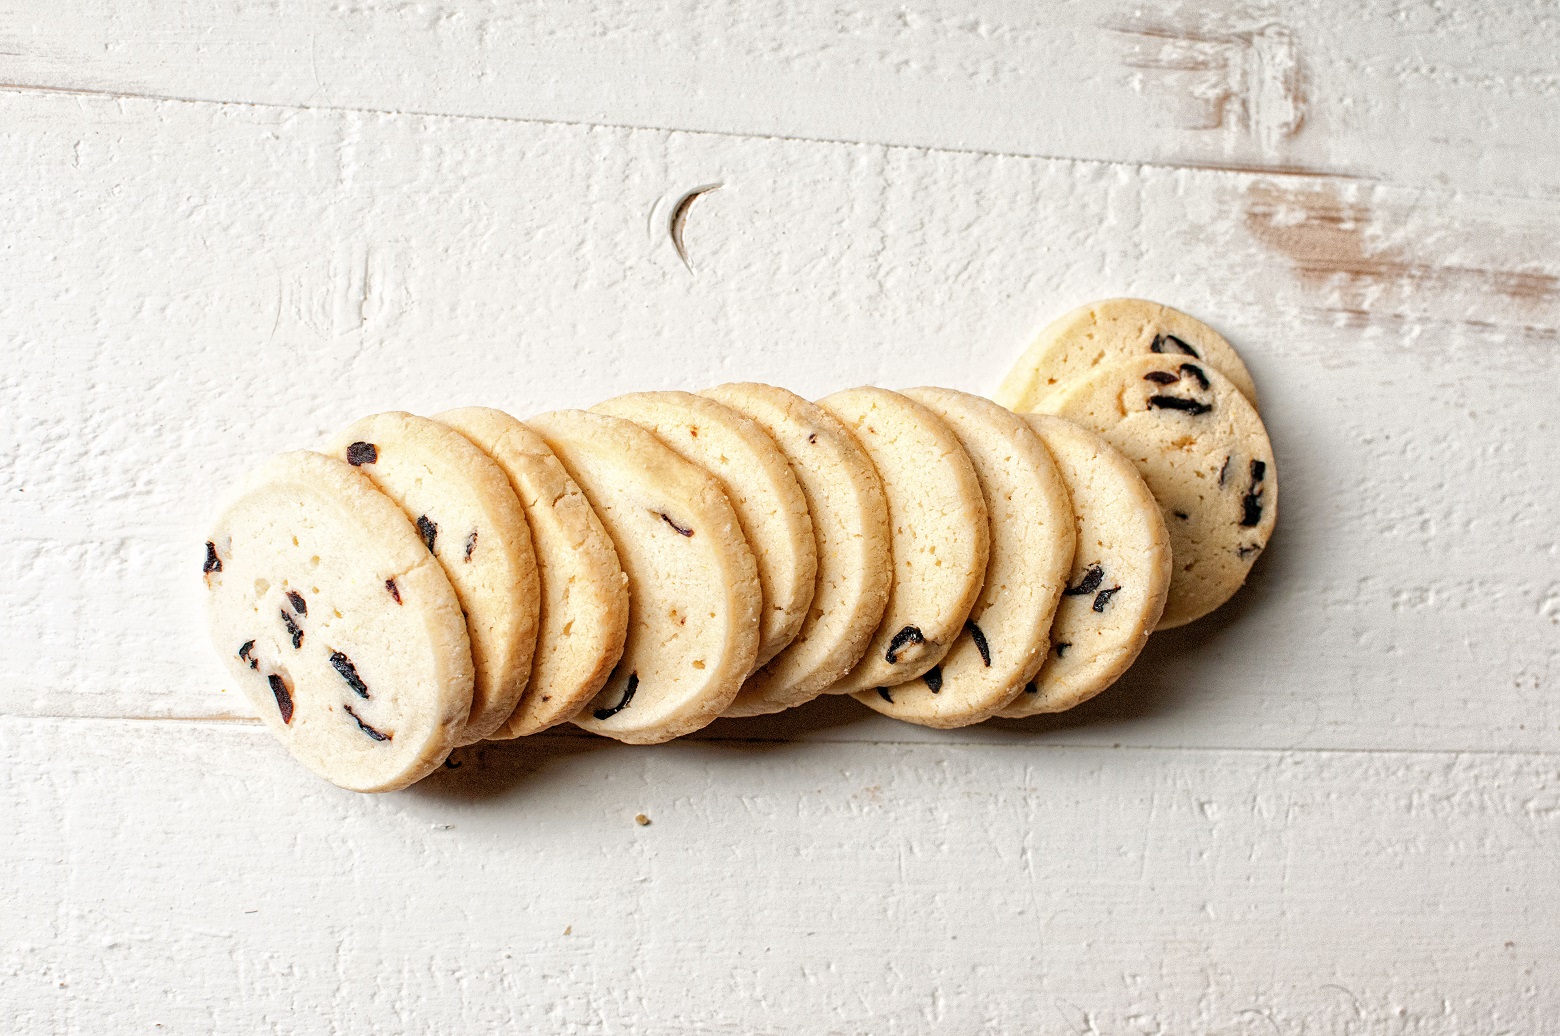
(1233, 168)
(706, 737)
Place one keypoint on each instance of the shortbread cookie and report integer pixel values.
(762, 490)
(938, 530)
(1120, 573)
(693, 592)
(343, 633)
(849, 518)
(1005, 640)
(1204, 453)
(1102, 333)
(583, 592)
(469, 518)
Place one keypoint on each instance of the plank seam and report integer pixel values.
(707, 738)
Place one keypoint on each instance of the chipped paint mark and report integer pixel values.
(679, 219)
(1236, 75)
(1331, 240)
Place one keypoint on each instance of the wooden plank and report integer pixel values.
(1418, 95)
(191, 287)
(191, 879)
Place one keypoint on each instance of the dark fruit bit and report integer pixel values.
(429, 531)
(980, 642)
(292, 629)
(283, 696)
(213, 563)
(243, 652)
(450, 764)
(364, 727)
(343, 665)
(933, 678)
(813, 437)
(1030, 688)
(1191, 406)
(1181, 515)
(395, 591)
(883, 693)
(1178, 346)
(1093, 576)
(1251, 506)
(360, 453)
(675, 527)
(1196, 372)
(1102, 598)
(1224, 472)
(628, 696)
(1061, 648)
(299, 604)
(1161, 377)
(908, 635)
(471, 544)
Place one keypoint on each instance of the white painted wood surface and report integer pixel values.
(1331, 808)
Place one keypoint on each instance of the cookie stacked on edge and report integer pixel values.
(667, 558)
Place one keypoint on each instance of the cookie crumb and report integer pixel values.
(641, 820)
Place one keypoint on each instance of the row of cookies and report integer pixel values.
(668, 558)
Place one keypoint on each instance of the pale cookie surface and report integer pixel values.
(1120, 572)
(471, 521)
(758, 482)
(1072, 346)
(937, 526)
(343, 633)
(1005, 639)
(693, 590)
(583, 592)
(1205, 456)
(849, 518)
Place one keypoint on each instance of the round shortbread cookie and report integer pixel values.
(1005, 638)
(849, 517)
(1204, 453)
(1101, 333)
(693, 593)
(584, 594)
(471, 520)
(1120, 572)
(938, 529)
(343, 633)
(762, 490)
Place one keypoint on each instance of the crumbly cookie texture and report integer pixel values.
(1004, 640)
(849, 518)
(762, 489)
(342, 631)
(583, 592)
(470, 520)
(938, 528)
(1077, 343)
(694, 597)
(1204, 453)
(1120, 572)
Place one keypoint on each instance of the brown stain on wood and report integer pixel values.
(1326, 238)
(1240, 71)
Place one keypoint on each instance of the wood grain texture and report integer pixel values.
(1450, 95)
(190, 878)
(194, 287)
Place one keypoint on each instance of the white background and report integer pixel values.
(229, 227)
